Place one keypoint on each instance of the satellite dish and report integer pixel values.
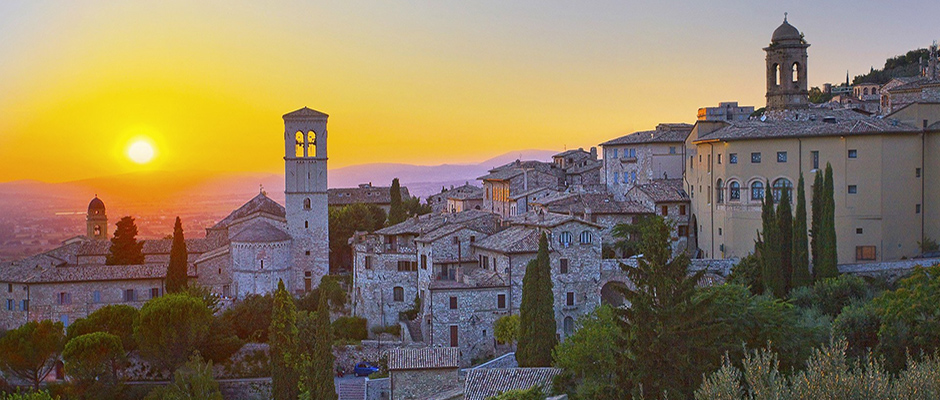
(763, 118)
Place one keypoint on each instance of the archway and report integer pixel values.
(611, 293)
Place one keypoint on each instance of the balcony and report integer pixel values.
(625, 160)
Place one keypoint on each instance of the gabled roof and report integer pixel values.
(260, 203)
(664, 190)
(260, 232)
(469, 194)
(664, 133)
(443, 231)
(915, 85)
(516, 239)
(571, 153)
(594, 203)
(807, 123)
(589, 166)
(516, 168)
(429, 222)
(545, 219)
(151, 246)
(485, 383)
(423, 358)
(305, 113)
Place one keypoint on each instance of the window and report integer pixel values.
(865, 253)
(569, 298)
(453, 302)
(96, 296)
(665, 211)
(683, 230)
(585, 237)
(757, 190)
(453, 336)
(306, 224)
(733, 158)
(853, 189)
(64, 298)
(776, 74)
(398, 293)
(473, 239)
(755, 158)
(306, 204)
(226, 291)
(9, 288)
(720, 192)
(154, 293)
(406, 266)
(917, 173)
(858, 231)
(815, 155)
(564, 238)
(311, 144)
(9, 304)
(501, 301)
(299, 144)
(307, 253)
(719, 233)
(24, 305)
(853, 153)
(563, 265)
(782, 185)
(796, 72)
(485, 262)
(734, 190)
(262, 264)
(130, 295)
(626, 177)
(569, 326)
(633, 177)
(917, 209)
(456, 240)
(719, 159)
(368, 262)
(781, 156)
(681, 209)
(672, 149)
(424, 261)
(615, 153)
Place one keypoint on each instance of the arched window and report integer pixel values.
(97, 230)
(780, 185)
(585, 237)
(299, 144)
(796, 72)
(777, 74)
(865, 91)
(569, 326)
(306, 204)
(564, 238)
(757, 190)
(720, 191)
(734, 191)
(311, 144)
(398, 293)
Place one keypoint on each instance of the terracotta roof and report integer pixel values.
(305, 113)
(260, 203)
(515, 168)
(260, 232)
(423, 358)
(915, 85)
(515, 239)
(378, 195)
(664, 190)
(664, 133)
(571, 153)
(807, 123)
(484, 383)
(589, 166)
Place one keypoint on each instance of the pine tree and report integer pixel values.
(667, 337)
(396, 211)
(799, 256)
(771, 262)
(785, 232)
(282, 341)
(537, 312)
(816, 226)
(317, 358)
(828, 254)
(176, 270)
(125, 249)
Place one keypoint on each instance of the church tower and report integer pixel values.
(786, 69)
(305, 199)
(96, 221)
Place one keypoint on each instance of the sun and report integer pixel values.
(141, 152)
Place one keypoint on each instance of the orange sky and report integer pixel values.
(423, 82)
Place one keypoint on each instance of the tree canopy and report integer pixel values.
(30, 351)
(176, 272)
(171, 328)
(537, 325)
(125, 249)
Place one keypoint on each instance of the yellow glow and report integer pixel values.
(140, 152)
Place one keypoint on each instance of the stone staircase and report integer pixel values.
(411, 332)
(351, 389)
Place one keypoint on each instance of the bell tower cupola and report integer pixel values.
(96, 220)
(786, 69)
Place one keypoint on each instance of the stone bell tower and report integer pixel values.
(786, 69)
(305, 198)
(96, 221)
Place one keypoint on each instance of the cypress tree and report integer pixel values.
(816, 226)
(396, 212)
(785, 232)
(828, 254)
(771, 261)
(799, 256)
(176, 270)
(282, 341)
(125, 249)
(318, 362)
(537, 312)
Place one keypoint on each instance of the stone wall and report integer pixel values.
(257, 267)
(474, 316)
(373, 288)
(378, 389)
(420, 384)
(890, 270)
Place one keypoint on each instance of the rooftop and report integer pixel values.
(592, 203)
(423, 358)
(515, 239)
(428, 222)
(484, 383)
(260, 203)
(57, 265)
(807, 123)
(260, 232)
(664, 133)
(664, 190)
(365, 194)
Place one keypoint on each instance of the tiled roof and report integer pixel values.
(465, 187)
(423, 358)
(515, 239)
(379, 195)
(596, 203)
(260, 203)
(304, 113)
(260, 232)
(484, 383)
(915, 85)
(55, 266)
(469, 194)
(589, 166)
(429, 222)
(807, 123)
(543, 219)
(664, 133)
(531, 192)
(571, 153)
(664, 190)
(515, 168)
(151, 246)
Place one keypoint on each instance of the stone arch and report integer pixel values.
(776, 72)
(797, 71)
(306, 204)
(299, 144)
(311, 144)
(568, 326)
(611, 295)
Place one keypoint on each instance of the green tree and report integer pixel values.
(316, 357)
(346, 221)
(666, 341)
(396, 212)
(828, 254)
(532, 393)
(588, 357)
(816, 225)
(176, 271)
(506, 329)
(125, 249)
(94, 357)
(116, 319)
(171, 328)
(785, 235)
(192, 381)
(800, 254)
(282, 339)
(250, 318)
(771, 260)
(30, 351)
(747, 272)
(537, 324)
(40, 395)
(910, 317)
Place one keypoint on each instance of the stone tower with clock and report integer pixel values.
(305, 197)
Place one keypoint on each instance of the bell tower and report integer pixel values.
(305, 198)
(96, 221)
(786, 69)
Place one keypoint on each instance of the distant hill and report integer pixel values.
(904, 65)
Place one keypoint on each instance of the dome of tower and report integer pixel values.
(786, 32)
(96, 206)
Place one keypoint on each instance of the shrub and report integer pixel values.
(249, 319)
(858, 324)
(193, 381)
(171, 327)
(532, 393)
(506, 329)
(350, 328)
(40, 395)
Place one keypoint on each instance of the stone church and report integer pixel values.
(248, 252)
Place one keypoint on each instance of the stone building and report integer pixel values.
(726, 111)
(599, 208)
(364, 194)
(438, 202)
(470, 199)
(96, 220)
(502, 184)
(642, 157)
(866, 91)
(786, 69)
(667, 198)
(417, 374)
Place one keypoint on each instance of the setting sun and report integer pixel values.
(140, 152)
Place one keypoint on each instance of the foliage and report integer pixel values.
(905, 65)
(666, 341)
(346, 221)
(221, 343)
(928, 245)
(910, 316)
(858, 324)
(394, 329)
(784, 218)
(588, 357)
(771, 258)
(537, 312)
(412, 312)
(831, 295)
(210, 299)
(350, 328)
(116, 319)
(315, 365)
(176, 271)
(506, 329)
(747, 272)
(331, 288)
(396, 212)
(816, 223)
(827, 264)
(125, 249)
(94, 357)
(817, 96)
(627, 235)
(30, 351)
(40, 395)
(800, 253)
(413, 206)
(192, 381)
(532, 393)
(250, 318)
(171, 328)
(282, 339)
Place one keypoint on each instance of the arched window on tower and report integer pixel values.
(311, 144)
(796, 72)
(299, 144)
(97, 230)
(306, 204)
(777, 73)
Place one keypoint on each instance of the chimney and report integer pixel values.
(932, 62)
(594, 152)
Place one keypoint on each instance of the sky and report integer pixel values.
(419, 82)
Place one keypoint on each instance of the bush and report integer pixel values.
(859, 325)
(171, 328)
(350, 328)
(193, 381)
(831, 295)
(249, 319)
(41, 395)
(532, 393)
(506, 329)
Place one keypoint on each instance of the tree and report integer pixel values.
(30, 351)
(666, 338)
(785, 235)
(346, 221)
(816, 226)
(125, 249)
(799, 257)
(396, 212)
(588, 357)
(250, 318)
(532, 393)
(116, 319)
(193, 381)
(316, 356)
(282, 339)
(537, 324)
(828, 254)
(171, 328)
(771, 261)
(176, 271)
(506, 329)
(94, 357)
